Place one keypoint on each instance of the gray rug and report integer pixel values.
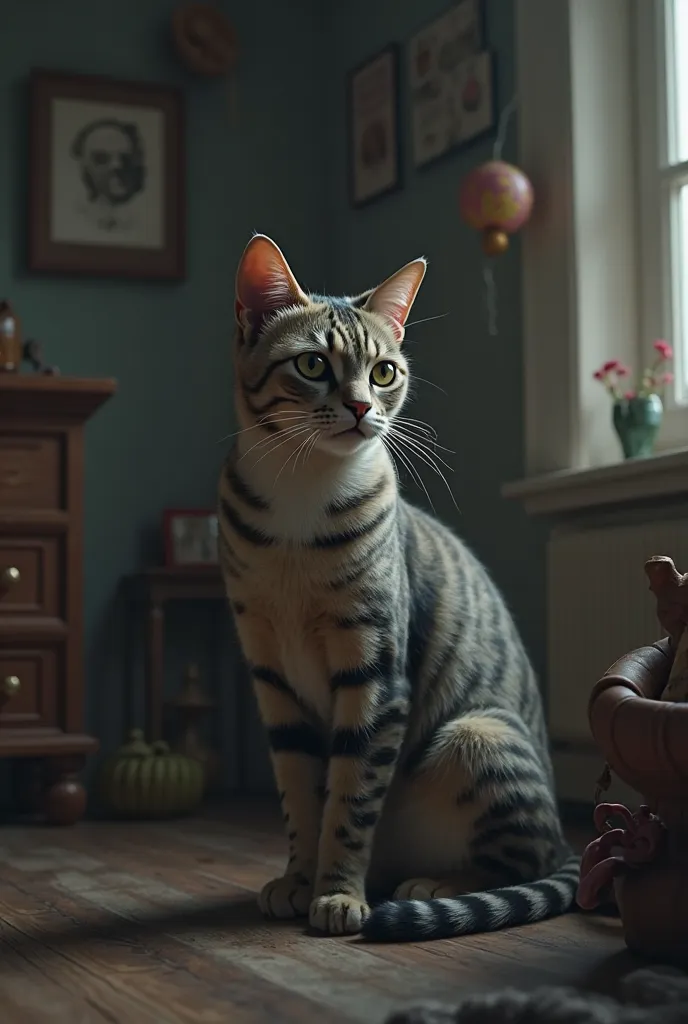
(648, 996)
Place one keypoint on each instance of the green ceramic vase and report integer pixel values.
(636, 421)
(142, 781)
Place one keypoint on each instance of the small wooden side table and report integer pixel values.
(158, 587)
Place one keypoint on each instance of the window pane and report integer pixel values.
(680, 289)
(677, 54)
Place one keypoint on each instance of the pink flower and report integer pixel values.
(598, 375)
(664, 349)
(629, 394)
(667, 378)
(622, 371)
(611, 365)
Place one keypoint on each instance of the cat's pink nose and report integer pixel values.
(359, 409)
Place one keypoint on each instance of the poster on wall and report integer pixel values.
(451, 83)
(375, 165)
(106, 193)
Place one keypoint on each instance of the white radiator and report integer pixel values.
(599, 607)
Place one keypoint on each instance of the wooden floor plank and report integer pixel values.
(135, 923)
(29, 996)
(158, 963)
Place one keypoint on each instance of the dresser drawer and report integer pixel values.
(30, 677)
(31, 467)
(30, 576)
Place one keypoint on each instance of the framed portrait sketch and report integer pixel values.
(106, 186)
(190, 536)
(373, 115)
(450, 82)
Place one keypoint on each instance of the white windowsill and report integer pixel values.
(663, 475)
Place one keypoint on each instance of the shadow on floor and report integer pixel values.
(236, 916)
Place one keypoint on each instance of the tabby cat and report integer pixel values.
(403, 716)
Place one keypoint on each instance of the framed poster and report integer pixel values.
(106, 187)
(451, 83)
(374, 149)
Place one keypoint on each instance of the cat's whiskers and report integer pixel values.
(418, 423)
(413, 431)
(422, 438)
(266, 440)
(392, 459)
(286, 433)
(393, 447)
(429, 459)
(426, 320)
(430, 382)
(422, 446)
(429, 446)
(421, 450)
(415, 426)
(297, 451)
(309, 451)
(292, 437)
(268, 418)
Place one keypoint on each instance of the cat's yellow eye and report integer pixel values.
(311, 365)
(383, 374)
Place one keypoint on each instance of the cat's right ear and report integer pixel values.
(264, 284)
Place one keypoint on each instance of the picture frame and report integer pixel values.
(190, 537)
(451, 83)
(373, 117)
(107, 190)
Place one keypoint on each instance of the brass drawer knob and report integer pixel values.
(11, 685)
(11, 575)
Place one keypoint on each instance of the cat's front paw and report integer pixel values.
(339, 914)
(285, 898)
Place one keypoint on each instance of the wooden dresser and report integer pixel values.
(42, 422)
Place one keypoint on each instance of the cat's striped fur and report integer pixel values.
(404, 718)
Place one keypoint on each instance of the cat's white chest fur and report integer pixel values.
(298, 499)
(286, 583)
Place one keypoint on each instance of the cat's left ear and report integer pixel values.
(393, 299)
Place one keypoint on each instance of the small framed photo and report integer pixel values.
(107, 183)
(451, 83)
(373, 115)
(190, 536)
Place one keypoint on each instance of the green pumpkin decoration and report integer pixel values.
(149, 781)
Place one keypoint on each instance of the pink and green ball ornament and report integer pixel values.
(496, 198)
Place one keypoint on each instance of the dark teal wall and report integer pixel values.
(281, 168)
(481, 417)
(155, 444)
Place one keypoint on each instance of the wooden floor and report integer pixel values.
(157, 924)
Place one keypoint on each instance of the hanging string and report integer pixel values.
(504, 118)
(490, 298)
(490, 286)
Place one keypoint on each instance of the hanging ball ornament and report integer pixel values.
(496, 198)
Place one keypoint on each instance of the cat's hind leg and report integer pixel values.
(494, 823)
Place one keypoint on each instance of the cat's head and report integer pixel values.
(332, 369)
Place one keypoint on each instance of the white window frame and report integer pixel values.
(662, 302)
(585, 290)
(580, 276)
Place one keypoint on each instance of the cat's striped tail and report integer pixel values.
(420, 920)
